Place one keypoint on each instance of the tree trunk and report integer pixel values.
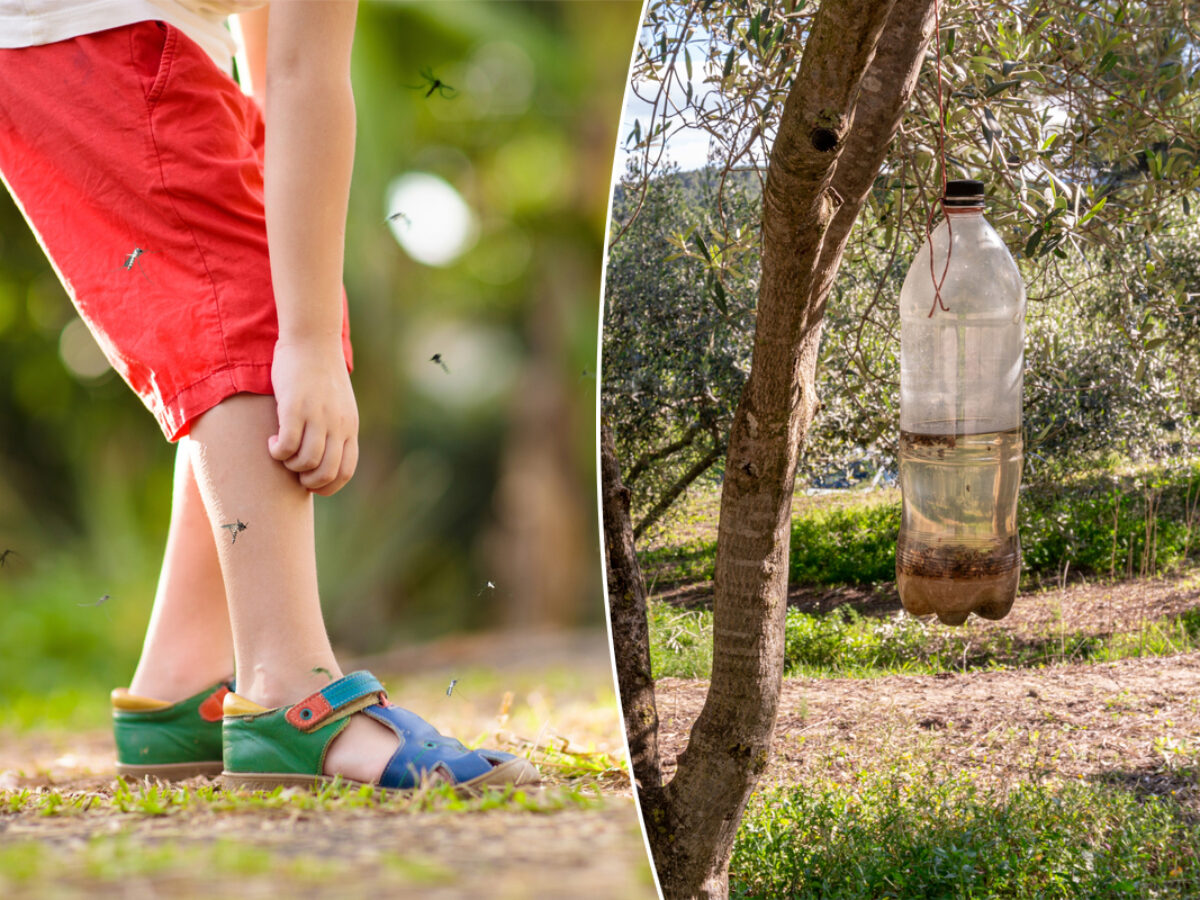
(627, 614)
(838, 120)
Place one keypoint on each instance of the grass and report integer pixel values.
(920, 830)
(1102, 523)
(149, 800)
(116, 861)
(162, 838)
(844, 644)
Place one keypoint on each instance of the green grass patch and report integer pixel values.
(143, 800)
(681, 641)
(1098, 524)
(938, 835)
(1112, 525)
(116, 859)
(844, 643)
(845, 544)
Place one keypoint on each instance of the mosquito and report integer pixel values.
(434, 84)
(134, 258)
(4, 557)
(437, 358)
(487, 587)
(450, 689)
(234, 528)
(402, 216)
(586, 374)
(97, 603)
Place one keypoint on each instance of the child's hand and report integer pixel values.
(318, 418)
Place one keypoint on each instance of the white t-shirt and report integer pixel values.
(28, 23)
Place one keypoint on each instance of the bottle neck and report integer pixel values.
(960, 211)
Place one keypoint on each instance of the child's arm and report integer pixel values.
(309, 156)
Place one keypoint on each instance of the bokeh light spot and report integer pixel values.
(80, 353)
(480, 363)
(429, 218)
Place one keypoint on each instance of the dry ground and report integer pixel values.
(1134, 721)
(592, 851)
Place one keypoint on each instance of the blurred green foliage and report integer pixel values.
(484, 473)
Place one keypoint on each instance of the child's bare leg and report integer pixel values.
(270, 570)
(188, 646)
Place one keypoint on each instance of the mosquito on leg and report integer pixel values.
(234, 528)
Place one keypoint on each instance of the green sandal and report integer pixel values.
(268, 748)
(170, 741)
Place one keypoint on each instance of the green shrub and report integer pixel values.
(852, 544)
(842, 641)
(1108, 525)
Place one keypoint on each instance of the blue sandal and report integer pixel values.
(265, 748)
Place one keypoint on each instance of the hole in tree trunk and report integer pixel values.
(824, 140)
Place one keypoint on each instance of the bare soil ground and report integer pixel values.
(510, 852)
(1136, 722)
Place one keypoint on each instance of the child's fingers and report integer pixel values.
(345, 470)
(311, 452)
(284, 445)
(325, 473)
(349, 460)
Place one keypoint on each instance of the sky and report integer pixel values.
(687, 148)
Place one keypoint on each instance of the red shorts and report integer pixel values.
(138, 163)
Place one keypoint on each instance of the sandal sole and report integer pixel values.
(514, 772)
(171, 771)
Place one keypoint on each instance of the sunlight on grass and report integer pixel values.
(142, 800)
(844, 644)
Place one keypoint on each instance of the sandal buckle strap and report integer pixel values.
(317, 708)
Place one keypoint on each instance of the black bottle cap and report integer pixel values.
(963, 192)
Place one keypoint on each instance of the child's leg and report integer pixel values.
(188, 645)
(270, 573)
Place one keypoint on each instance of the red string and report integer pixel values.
(937, 284)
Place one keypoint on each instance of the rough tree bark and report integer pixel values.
(857, 74)
(627, 612)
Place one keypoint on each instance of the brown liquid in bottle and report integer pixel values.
(959, 551)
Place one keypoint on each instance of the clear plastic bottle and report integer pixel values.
(960, 419)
